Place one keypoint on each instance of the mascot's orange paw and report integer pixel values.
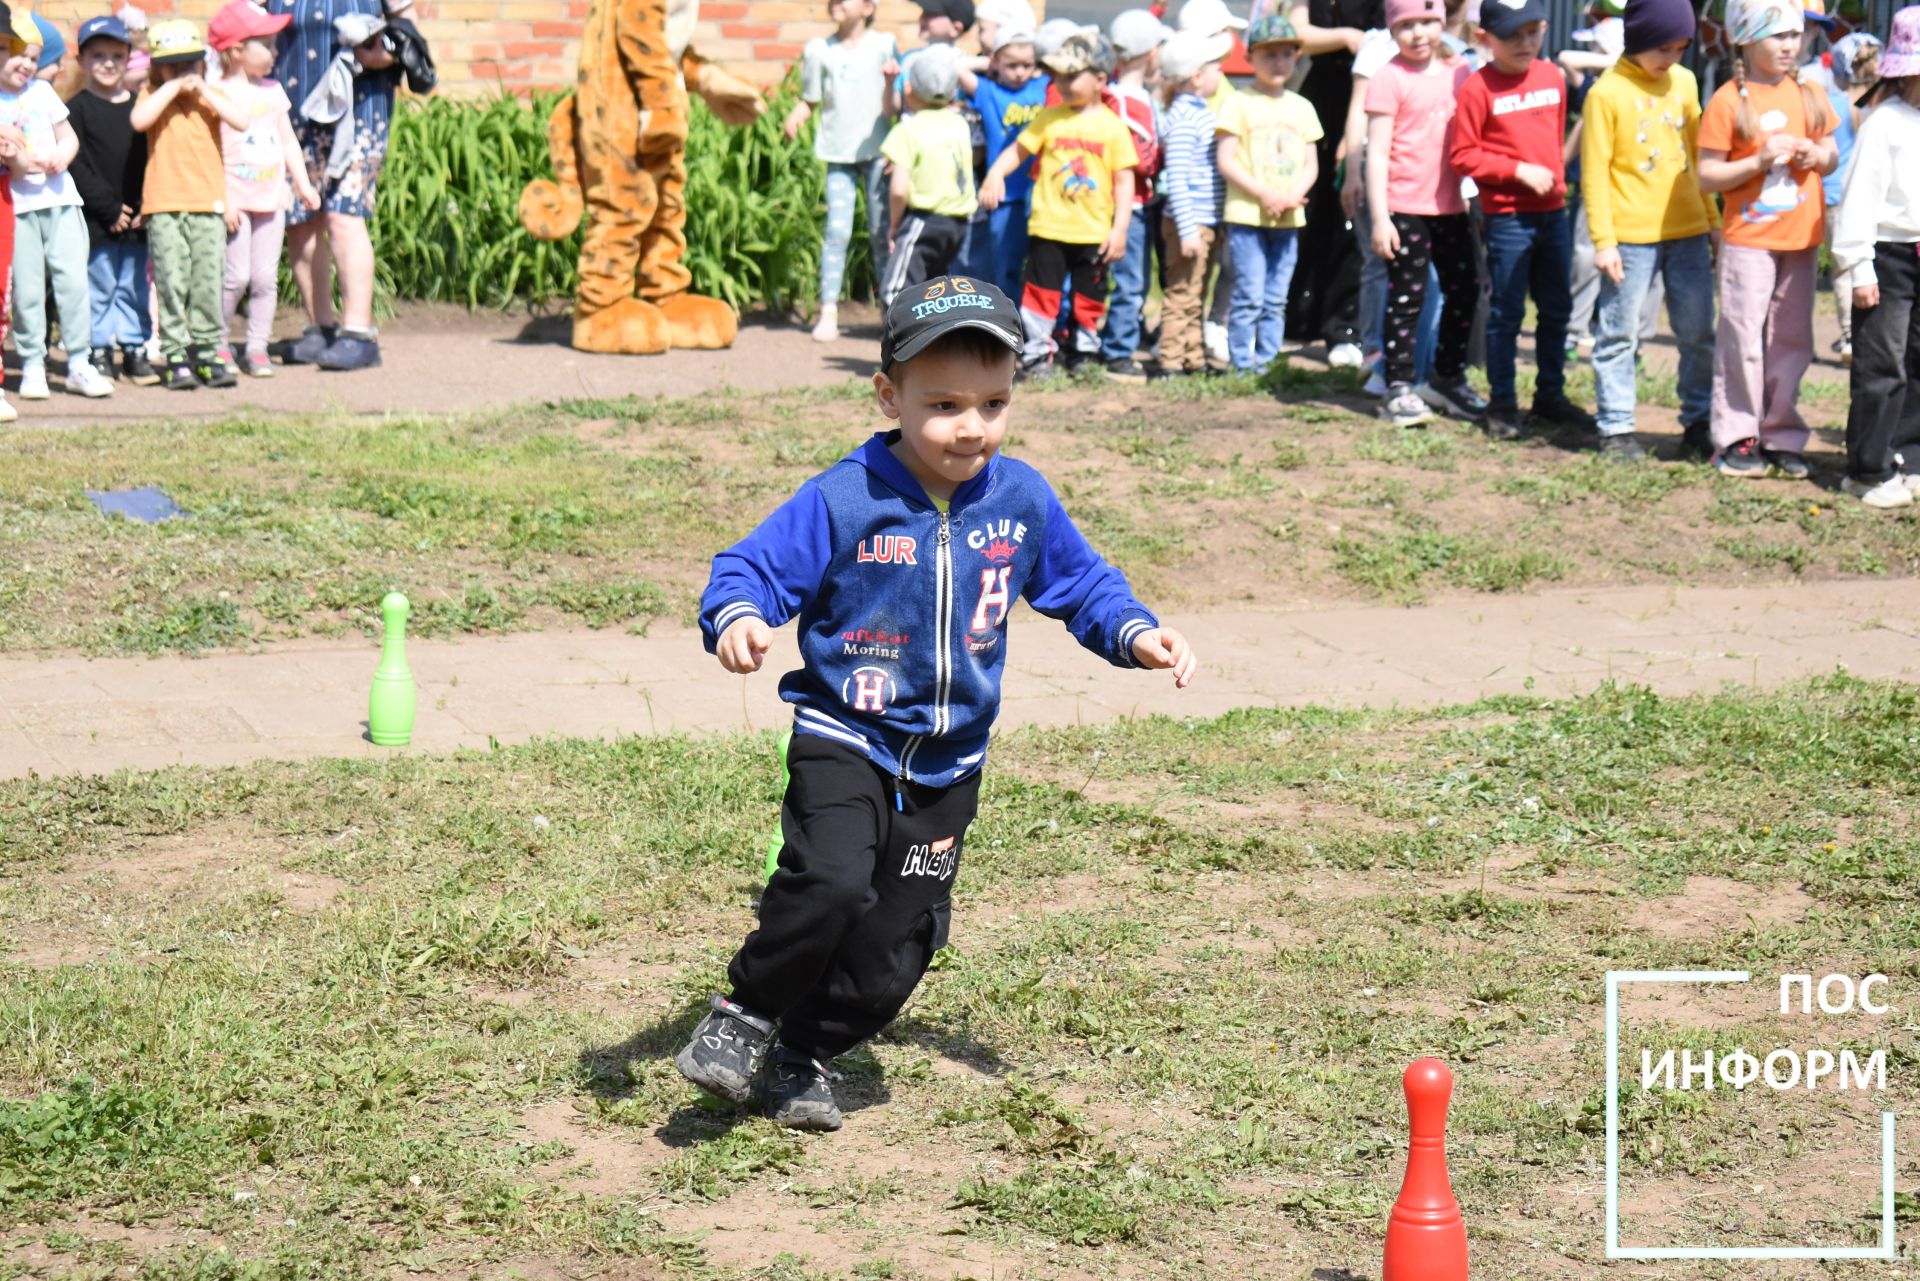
(630, 327)
(700, 323)
(550, 211)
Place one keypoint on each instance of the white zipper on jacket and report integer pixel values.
(942, 649)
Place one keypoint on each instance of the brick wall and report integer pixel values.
(482, 46)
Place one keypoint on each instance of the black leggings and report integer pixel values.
(860, 902)
(1445, 241)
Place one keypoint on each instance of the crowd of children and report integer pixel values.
(1477, 175)
(151, 201)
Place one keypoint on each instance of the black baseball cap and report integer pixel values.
(961, 11)
(1501, 18)
(923, 312)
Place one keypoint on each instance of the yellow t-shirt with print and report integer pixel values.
(1076, 154)
(936, 149)
(1276, 134)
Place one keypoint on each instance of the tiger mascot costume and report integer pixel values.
(618, 146)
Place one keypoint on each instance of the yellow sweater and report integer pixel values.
(1638, 150)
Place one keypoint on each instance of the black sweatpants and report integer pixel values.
(861, 899)
(1884, 419)
(1446, 241)
(924, 247)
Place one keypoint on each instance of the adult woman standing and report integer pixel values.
(334, 240)
(1326, 289)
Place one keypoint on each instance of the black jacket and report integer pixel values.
(110, 168)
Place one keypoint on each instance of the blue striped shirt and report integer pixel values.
(1189, 177)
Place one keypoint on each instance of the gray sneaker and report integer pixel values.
(726, 1051)
(1623, 448)
(796, 1092)
(1791, 465)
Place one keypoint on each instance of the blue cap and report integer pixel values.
(53, 45)
(106, 25)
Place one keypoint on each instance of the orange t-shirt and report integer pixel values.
(1779, 209)
(185, 170)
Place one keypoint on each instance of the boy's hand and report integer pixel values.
(232, 217)
(1162, 648)
(1275, 204)
(744, 645)
(1114, 247)
(795, 118)
(1193, 247)
(1535, 178)
(1866, 297)
(992, 192)
(1607, 263)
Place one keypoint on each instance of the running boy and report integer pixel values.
(901, 562)
(1509, 136)
(1082, 198)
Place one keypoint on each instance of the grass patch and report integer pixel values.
(1167, 1031)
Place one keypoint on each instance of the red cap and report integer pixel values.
(243, 20)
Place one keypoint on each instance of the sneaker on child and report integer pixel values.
(1403, 407)
(1889, 493)
(726, 1051)
(210, 369)
(1623, 448)
(1126, 371)
(1561, 412)
(255, 364)
(1741, 459)
(350, 352)
(138, 369)
(84, 380)
(310, 345)
(1453, 396)
(1503, 422)
(827, 327)
(180, 377)
(796, 1091)
(1344, 355)
(33, 382)
(1789, 464)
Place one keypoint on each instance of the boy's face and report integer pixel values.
(1418, 38)
(1013, 66)
(840, 12)
(938, 28)
(1657, 62)
(1207, 79)
(1081, 89)
(1515, 53)
(105, 60)
(952, 410)
(19, 68)
(1273, 63)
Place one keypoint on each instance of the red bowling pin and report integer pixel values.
(1426, 1237)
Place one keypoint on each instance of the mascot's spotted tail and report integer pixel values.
(619, 157)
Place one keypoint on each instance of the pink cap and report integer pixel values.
(1399, 11)
(139, 60)
(241, 21)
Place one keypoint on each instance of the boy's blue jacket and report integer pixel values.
(903, 609)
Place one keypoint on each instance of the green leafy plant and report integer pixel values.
(447, 225)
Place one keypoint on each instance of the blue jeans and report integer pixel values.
(117, 284)
(1528, 252)
(1263, 259)
(844, 183)
(1686, 266)
(1120, 337)
(997, 247)
(1373, 303)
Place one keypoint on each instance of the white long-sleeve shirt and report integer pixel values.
(1882, 200)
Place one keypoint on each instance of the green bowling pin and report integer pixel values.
(776, 840)
(390, 706)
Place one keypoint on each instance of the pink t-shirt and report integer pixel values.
(256, 161)
(1420, 177)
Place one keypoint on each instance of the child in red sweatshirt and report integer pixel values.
(1506, 135)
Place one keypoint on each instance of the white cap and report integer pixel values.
(934, 75)
(1209, 16)
(1054, 32)
(1135, 32)
(1185, 52)
(1010, 34)
(1005, 13)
